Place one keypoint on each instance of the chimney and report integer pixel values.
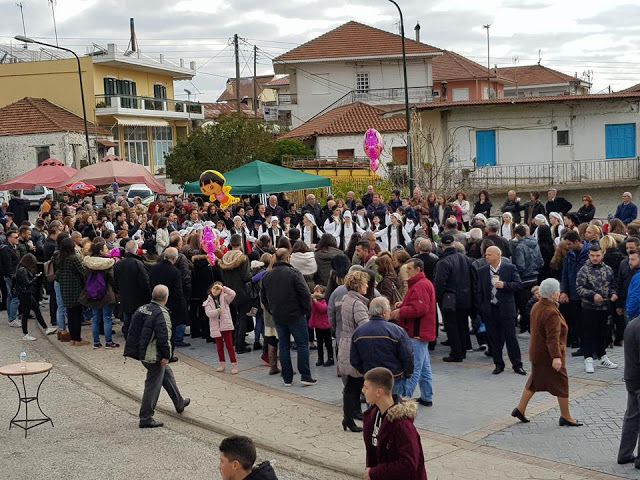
(111, 49)
(192, 65)
(182, 63)
(133, 35)
(417, 29)
(161, 58)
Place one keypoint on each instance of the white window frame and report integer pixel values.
(161, 146)
(455, 93)
(137, 149)
(364, 75)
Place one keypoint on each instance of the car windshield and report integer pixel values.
(139, 193)
(36, 191)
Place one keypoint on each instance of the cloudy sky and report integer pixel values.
(588, 36)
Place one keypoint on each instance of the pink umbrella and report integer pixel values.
(50, 173)
(114, 169)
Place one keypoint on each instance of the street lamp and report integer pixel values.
(188, 109)
(22, 38)
(406, 100)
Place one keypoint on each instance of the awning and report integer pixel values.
(141, 122)
(106, 143)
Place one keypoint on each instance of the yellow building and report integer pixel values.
(129, 94)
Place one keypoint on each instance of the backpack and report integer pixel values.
(49, 274)
(95, 287)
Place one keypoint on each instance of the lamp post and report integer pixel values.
(406, 101)
(22, 38)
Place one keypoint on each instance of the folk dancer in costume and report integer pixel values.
(310, 232)
(275, 232)
(240, 228)
(333, 224)
(393, 235)
(361, 218)
(349, 227)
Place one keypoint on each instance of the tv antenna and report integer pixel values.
(24, 30)
(53, 14)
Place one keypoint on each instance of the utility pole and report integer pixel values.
(24, 30)
(255, 82)
(488, 26)
(235, 47)
(53, 13)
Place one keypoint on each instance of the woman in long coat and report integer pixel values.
(547, 348)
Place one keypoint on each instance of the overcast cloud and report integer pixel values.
(601, 37)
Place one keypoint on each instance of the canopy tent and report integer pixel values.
(50, 173)
(114, 169)
(260, 177)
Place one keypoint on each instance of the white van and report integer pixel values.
(36, 195)
(142, 191)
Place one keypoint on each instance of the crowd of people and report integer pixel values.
(364, 282)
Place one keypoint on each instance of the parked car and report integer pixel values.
(142, 191)
(36, 195)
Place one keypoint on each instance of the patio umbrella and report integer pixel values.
(114, 169)
(50, 173)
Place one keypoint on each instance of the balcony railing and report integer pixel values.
(112, 104)
(302, 162)
(588, 172)
(287, 99)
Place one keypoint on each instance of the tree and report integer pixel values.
(287, 146)
(231, 142)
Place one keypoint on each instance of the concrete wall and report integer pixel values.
(476, 89)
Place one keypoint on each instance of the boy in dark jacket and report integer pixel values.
(237, 456)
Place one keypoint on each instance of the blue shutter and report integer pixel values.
(485, 148)
(620, 140)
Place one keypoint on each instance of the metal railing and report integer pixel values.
(300, 161)
(287, 99)
(546, 174)
(147, 103)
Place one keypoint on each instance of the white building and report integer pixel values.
(540, 81)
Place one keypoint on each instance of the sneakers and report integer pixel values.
(588, 365)
(96, 346)
(51, 330)
(28, 337)
(605, 362)
(287, 384)
(15, 323)
(111, 345)
(309, 381)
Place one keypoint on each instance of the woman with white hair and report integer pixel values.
(547, 348)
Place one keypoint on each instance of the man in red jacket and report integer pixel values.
(394, 450)
(417, 315)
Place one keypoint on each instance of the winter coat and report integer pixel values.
(131, 282)
(219, 313)
(186, 272)
(234, 269)
(513, 207)
(528, 259)
(264, 471)
(334, 310)
(594, 279)
(390, 287)
(38, 241)
(49, 248)
(323, 260)
(418, 309)
(508, 274)
(398, 454)
(20, 209)
(149, 334)
(165, 273)
(483, 208)
(585, 214)
(70, 275)
(102, 266)
(378, 343)
(318, 317)
(162, 240)
(354, 313)
(547, 341)
(305, 262)
(613, 258)
(627, 213)
(633, 298)
(572, 263)
(9, 259)
(204, 275)
(531, 209)
(25, 282)
(559, 205)
(625, 274)
(454, 275)
(285, 294)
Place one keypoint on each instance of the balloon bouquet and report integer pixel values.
(372, 144)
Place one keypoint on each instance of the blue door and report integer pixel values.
(485, 148)
(620, 140)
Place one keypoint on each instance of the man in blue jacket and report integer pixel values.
(627, 211)
(378, 343)
(633, 298)
(572, 309)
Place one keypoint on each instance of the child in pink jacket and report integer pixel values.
(320, 321)
(216, 306)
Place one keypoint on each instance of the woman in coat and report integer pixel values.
(304, 260)
(70, 275)
(390, 286)
(547, 349)
(326, 249)
(162, 235)
(354, 312)
(483, 205)
(26, 283)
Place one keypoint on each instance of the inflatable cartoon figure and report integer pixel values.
(212, 183)
(372, 147)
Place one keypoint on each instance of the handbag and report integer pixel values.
(448, 304)
(49, 274)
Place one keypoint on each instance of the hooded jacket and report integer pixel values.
(305, 262)
(104, 267)
(570, 267)
(235, 272)
(418, 309)
(354, 313)
(264, 471)
(219, 313)
(398, 454)
(323, 261)
(528, 259)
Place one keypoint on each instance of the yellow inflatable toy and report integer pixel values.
(212, 183)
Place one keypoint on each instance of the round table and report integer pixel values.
(22, 370)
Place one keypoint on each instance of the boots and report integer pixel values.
(350, 403)
(273, 360)
(63, 335)
(320, 358)
(264, 358)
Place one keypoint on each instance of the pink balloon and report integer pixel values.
(372, 145)
(209, 244)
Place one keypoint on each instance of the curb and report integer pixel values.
(218, 428)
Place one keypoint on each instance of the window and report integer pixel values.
(436, 93)
(42, 153)
(488, 93)
(399, 155)
(162, 146)
(362, 82)
(159, 91)
(485, 148)
(320, 84)
(460, 94)
(620, 140)
(127, 89)
(346, 153)
(136, 145)
(562, 137)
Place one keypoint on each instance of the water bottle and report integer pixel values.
(23, 359)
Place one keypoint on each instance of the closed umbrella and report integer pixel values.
(114, 169)
(50, 173)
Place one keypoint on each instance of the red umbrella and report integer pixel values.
(50, 173)
(114, 169)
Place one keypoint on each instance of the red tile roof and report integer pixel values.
(278, 82)
(215, 110)
(355, 40)
(246, 87)
(633, 89)
(38, 115)
(452, 66)
(535, 75)
(525, 100)
(352, 119)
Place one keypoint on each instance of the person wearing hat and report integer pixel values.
(361, 218)
(557, 226)
(256, 231)
(239, 228)
(333, 223)
(538, 220)
(349, 227)
(286, 223)
(274, 231)
(394, 234)
(310, 233)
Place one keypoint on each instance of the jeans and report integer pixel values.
(12, 302)
(126, 322)
(61, 313)
(399, 385)
(180, 329)
(630, 427)
(103, 314)
(298, 328)
(259, 328)
(157, 378)
(421, 372)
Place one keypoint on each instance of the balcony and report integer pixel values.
(148, 107)
(285, 99)
(302, 162)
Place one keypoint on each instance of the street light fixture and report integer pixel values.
(406, 101)
(25, 39)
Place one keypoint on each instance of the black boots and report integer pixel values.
(350, 404)
(273, 360)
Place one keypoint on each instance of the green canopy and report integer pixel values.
(260, 177)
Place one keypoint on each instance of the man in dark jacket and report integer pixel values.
(378, 343)
(377, 207)
(631, 422)
(149, 342)
(627, 211)
(286, 297)
(491, 229)
(19, 207)
(417, 315)
(512, 205)
(237, 456)
(455, 287)
(557, 204)
(9, 259)
(274, 209)
(528, 260)
(498, 282)
(166, 273)
(572, 310)
(131, 283)
(313, 208)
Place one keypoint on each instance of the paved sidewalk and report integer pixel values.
(304, 422)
